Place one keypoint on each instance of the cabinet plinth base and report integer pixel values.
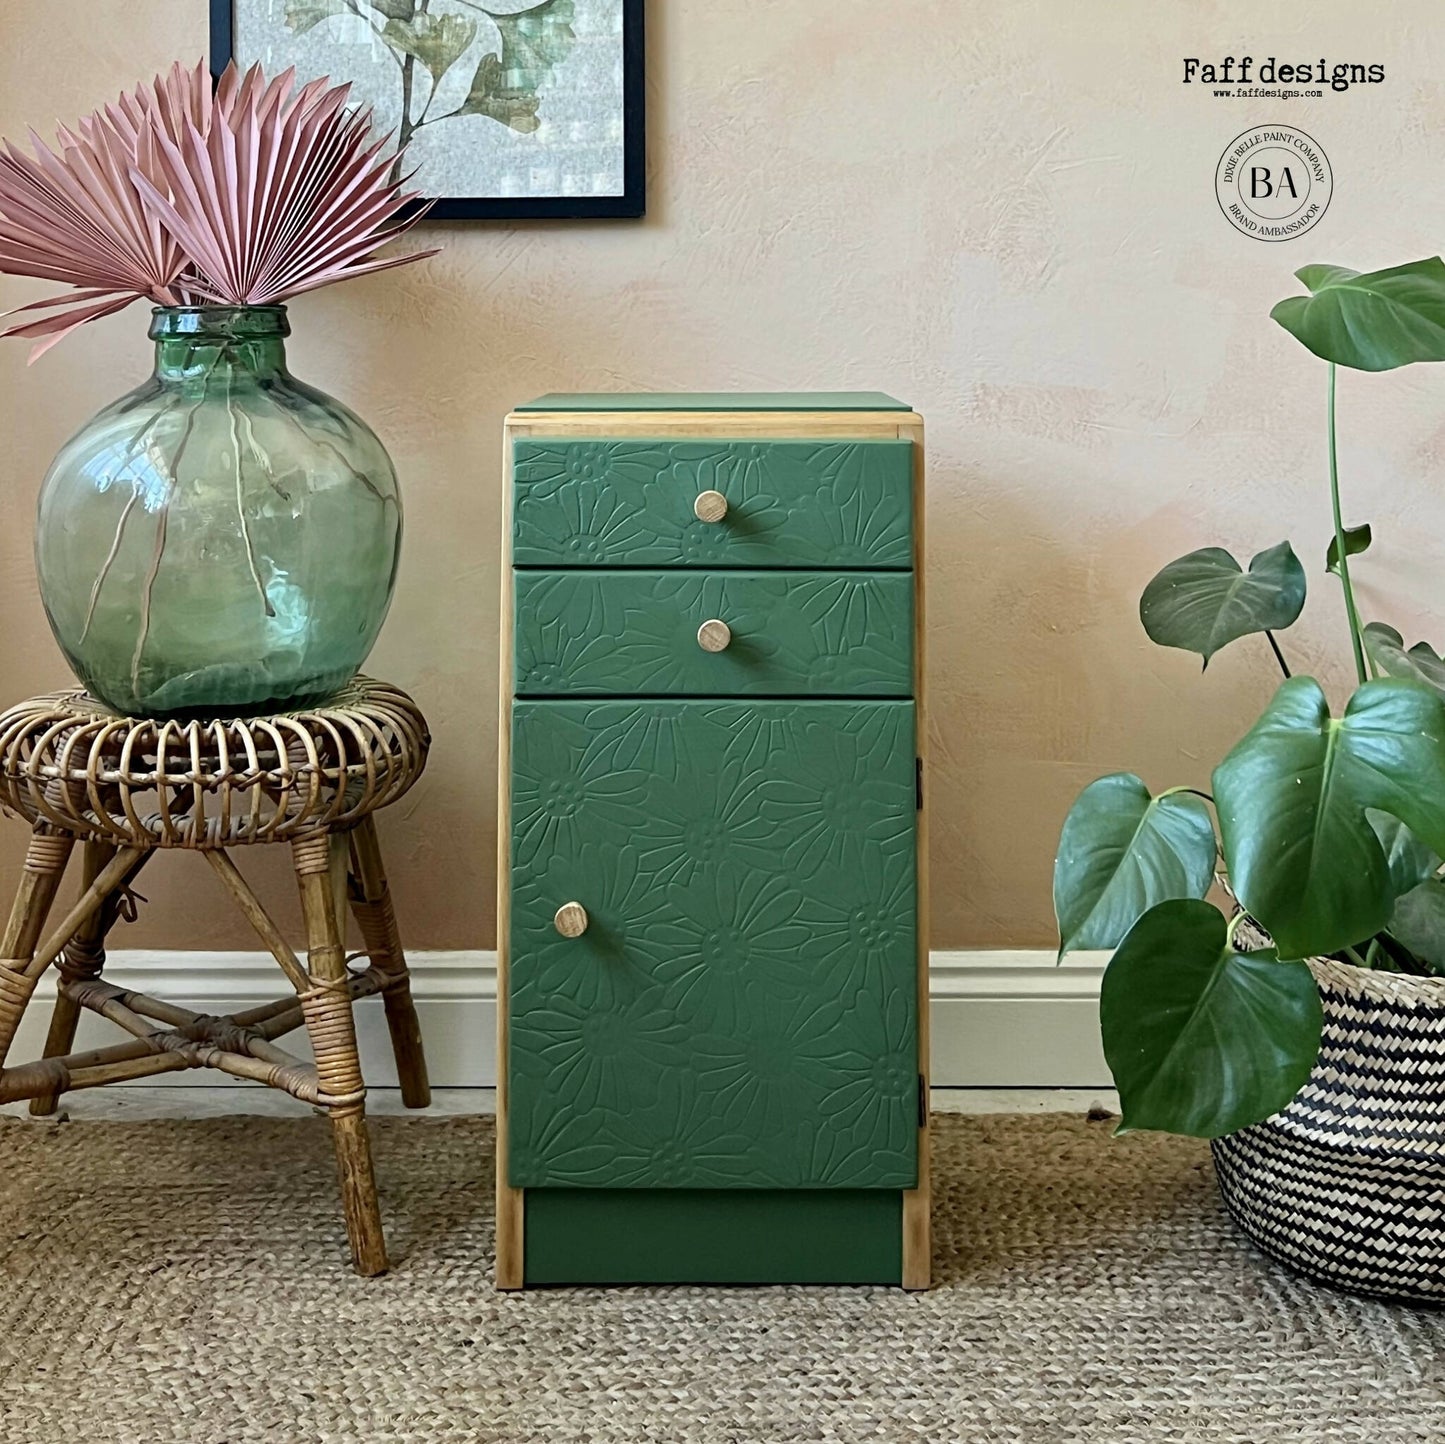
(713, 1236)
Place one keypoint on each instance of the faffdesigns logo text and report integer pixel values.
(1273, 182)
(1241, 78)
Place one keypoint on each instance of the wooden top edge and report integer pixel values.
(714, 401)
(671, 420)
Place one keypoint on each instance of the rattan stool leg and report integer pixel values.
(371, 902)
(83, 958)
(326, 1006)
(44, 867)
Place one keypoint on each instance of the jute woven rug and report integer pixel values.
(186, 1283)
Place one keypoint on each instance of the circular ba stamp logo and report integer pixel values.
(1273, 182)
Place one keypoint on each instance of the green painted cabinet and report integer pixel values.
(710, 1009)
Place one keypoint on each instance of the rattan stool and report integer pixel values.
(124, 787)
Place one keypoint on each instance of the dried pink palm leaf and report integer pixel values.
(247, 195)
(286, 190)
(180, 94)
(77, 216)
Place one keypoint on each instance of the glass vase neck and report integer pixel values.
(198, 344)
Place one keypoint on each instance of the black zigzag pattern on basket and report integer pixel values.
(1347, 1184)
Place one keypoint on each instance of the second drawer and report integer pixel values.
(639, 633)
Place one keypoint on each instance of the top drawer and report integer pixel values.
(597, 502)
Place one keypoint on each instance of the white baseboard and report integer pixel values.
(1015, 1019)
(1000, 1019)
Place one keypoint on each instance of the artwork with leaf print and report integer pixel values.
(506, 108)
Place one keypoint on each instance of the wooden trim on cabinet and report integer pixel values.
(740, 425)
(510, 1205)
(918, 1202)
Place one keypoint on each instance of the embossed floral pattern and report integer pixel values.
(611, 1060)
(786, 1051)
(734, 944)
(707, 820)
(560, 795)
(834, 806)
(629, 503)
(678, 1141)
(653, 738)
(876, 1052)
(857, 924)
(730, 1017)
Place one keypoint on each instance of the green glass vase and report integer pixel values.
(223, 539)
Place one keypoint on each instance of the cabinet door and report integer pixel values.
(741, 1010)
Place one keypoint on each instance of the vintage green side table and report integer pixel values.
(713, 988)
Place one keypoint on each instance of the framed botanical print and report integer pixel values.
(511, 109)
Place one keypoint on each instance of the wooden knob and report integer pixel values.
(571, 920)
(714, 636)
(710, 506)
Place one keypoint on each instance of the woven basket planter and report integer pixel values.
(1347, 1184)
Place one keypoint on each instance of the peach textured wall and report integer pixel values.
(1004, 213)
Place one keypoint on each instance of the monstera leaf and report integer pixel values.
(1203, 1039)
(1409, 861)
(304, 15)
(438, 41)
(1418, 921)
(1357, 540)
(1202, 602)
(1292, 798)
(1421, 663)
(1418, 918)
(1373, 321)
(1121, 852)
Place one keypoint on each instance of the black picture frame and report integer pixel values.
(631, 204)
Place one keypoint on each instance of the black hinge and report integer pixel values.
(922, 1101)
(918, 784)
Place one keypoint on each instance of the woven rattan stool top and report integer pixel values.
(140, 782)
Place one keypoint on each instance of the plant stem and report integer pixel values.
(262, 460)
(335, 450)
(246, 540)
(1354, 957)
(407, 128)
(1372, 952)
(1344, 561)
(133, 446)
(1279, 656)
(1170, 791)
(109, 562)
(376, 30)
(162, 517)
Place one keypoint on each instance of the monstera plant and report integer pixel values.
(1327, 826)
